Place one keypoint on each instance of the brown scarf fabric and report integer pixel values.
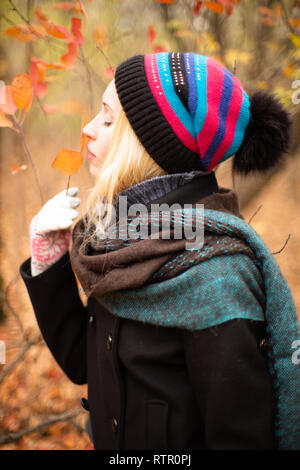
(115, 265)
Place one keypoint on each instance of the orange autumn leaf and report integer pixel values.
(54, 30)
(151, 34)
(67, 161)
(278, 10)
(50, 108)
(294, 22)
(109, 72)
(65, 6)
(269, 21)
(22, 91)
(76, 30)
(215, 7)
(75, 7)
(69, 57)
(100, 35)
(16, 169)
(24, 32)
(159, 48)
(37, 72)
(265, 11)
(4, 121)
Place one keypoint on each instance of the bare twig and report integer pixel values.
(18, 12)
(276, 252)
(6, 299)
(258, 209)
(89, 79)
(68, 184)
(28, 153)
(16, 436)
(34, 341)
(106, 58)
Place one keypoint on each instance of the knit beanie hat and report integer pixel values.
(191, 113)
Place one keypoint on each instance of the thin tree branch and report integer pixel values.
(16, 436)
(6, 299)
(34, 341)
(28, 153)
(276, 252)
(18, 12)
(258, 209)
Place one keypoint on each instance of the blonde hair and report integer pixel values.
(127, 163)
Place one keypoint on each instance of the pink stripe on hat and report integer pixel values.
(231, 122)
(158, 93)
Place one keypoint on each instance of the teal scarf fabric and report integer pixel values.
(214, 289)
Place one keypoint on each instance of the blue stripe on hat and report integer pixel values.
(190, 73)
(201, 79)
(242, 122)
(223, 111)
(162, 59)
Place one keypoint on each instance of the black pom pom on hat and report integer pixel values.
(267, 136)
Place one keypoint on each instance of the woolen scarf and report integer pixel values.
(158, 281)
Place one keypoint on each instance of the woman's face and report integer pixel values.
(100, 129)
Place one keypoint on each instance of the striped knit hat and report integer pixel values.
(191, 113)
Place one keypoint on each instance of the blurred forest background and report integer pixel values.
(70, 49)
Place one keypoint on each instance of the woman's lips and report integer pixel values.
(90, 155)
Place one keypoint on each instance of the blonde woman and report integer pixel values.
(181, 347)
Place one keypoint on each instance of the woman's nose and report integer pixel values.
(90, 131)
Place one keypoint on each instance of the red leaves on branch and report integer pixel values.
(54, 30)
(165, 1)
(220, 6)
(69, 57)
(25, 32)
(76, 30)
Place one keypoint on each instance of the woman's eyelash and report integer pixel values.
(106, 123)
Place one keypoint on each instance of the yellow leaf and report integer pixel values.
(295, 39)
(67, 161)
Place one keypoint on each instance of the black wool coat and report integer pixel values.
(152, 387)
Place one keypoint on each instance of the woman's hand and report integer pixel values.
(50, 230)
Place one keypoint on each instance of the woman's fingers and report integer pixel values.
(55, 219)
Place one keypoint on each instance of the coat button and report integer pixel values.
(114, 425)
(263, 344)
(108, 342)
(91, 320)
(85, 404)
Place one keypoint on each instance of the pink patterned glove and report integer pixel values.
(50, 230)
